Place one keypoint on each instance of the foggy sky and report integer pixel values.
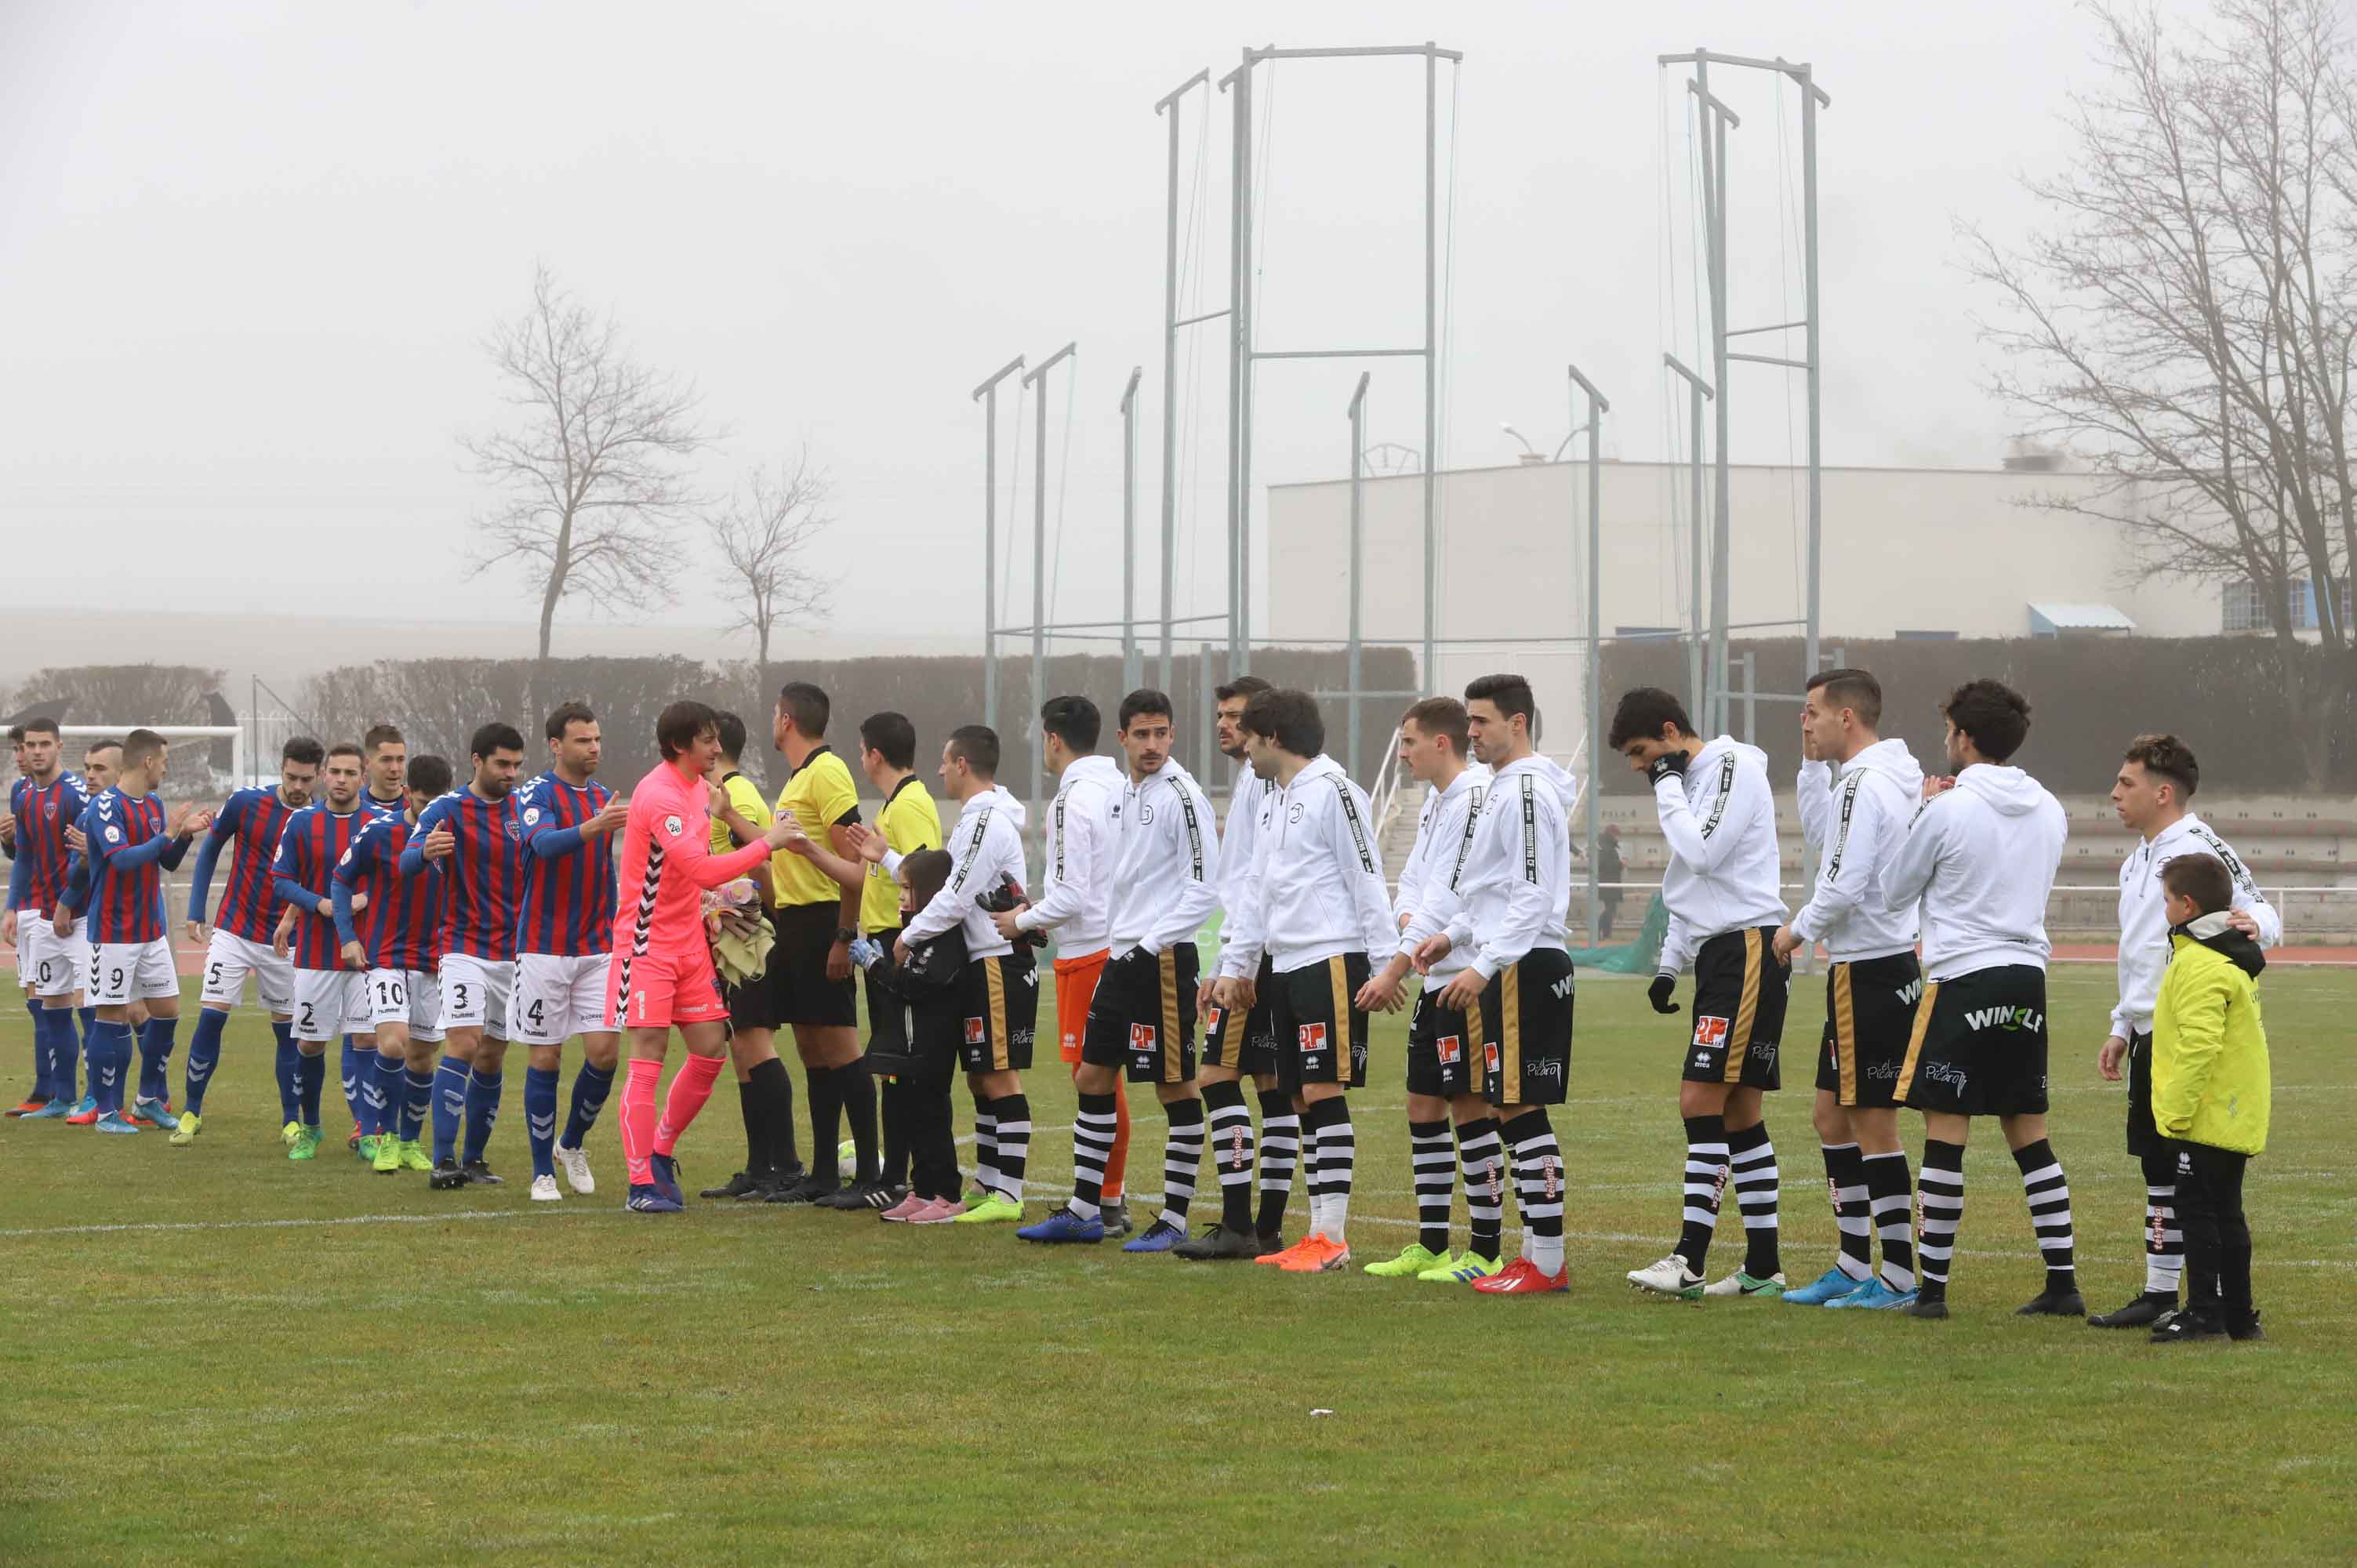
(248, 253)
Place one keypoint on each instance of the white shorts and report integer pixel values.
(47, 963)
(411, 997)
(228, 959)
(556, 998)
(330, 1003)
(474, 992)
(124, 973)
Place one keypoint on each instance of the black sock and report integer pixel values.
(2049, 1192)
(1940, 1189)
(1752, 1166)
(1232, 1151)
(757, 1136)
(1280, 1151)
(827, 1121)
(1706, 1175)
(856, 1090)
(775, 1090)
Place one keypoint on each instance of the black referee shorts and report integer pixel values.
(799, 991)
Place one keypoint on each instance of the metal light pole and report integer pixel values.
(1130, 671)
(1357, 474)
(1038, 379)
(1697, 694)
(987, 395)
(1168, 104)
(1596, 405)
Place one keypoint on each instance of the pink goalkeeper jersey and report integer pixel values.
(667, 863)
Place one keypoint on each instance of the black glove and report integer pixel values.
(1669, 762)
(1004, 900)
(1658, 993)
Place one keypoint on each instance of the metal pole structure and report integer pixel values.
(1240, 386)
(1131, 671)
(1038, 379)
(1696, 694)
(1809, 266)
(1169, 105)
(1427, 676)
(1597, 406)
(987, 394)
(1752, 698)
(1358, 537)
(1715, 118)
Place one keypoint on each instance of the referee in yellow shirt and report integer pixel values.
(810, 969)
(764, 1091)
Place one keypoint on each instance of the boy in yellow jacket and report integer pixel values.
(2209, 1095)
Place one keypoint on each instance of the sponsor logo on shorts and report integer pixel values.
(2008, 1018)
(1883, 1070)
(1450, 1050)
(1947, 1073)
(1211, 1016)
(1911, 993)
(1545, 1067)
(1710, 1032)
(974, 1031)
(1313, 1038)
(1562, 988)
(1490, 1056)
(1141, 1037)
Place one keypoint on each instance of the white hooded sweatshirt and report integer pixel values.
(1720, 820)
(2144, 928)
(1435, 865)
(1247, 804)
(985, 851)
(1076, 883)
(1858, 823)
(1515, 888)
(1981, 859)
(1317, 887)
(1165, 861)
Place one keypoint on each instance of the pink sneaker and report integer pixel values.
(908, 1209)
(938, 1211)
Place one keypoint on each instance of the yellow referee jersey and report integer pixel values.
(909, 821)
(820, 795)
(747, 800)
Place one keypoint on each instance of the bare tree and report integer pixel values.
(2186, 324)
(760, 533)
(591, 469)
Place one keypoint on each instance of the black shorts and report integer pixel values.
(1979, 1047)
(1870, 1018)
(1320, 1036)
(1001, 1000)
(1738, 1011)
(1141, 1017)
(1527, 1031)
(753, 1006)
(1444, 1050)
(1252, 1049)
(799, 991)
(2143, 1138)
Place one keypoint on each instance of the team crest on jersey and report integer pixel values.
(1450, 1048)
(1710, 1032)
(1294, 814)
(672, 826)
(974, 1031)
(1313, 1038)
(1146, 812)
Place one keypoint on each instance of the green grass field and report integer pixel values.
(214, 1355)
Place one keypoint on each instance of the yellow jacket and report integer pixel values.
(2209, 1047)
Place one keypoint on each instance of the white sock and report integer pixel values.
(1545, 1253)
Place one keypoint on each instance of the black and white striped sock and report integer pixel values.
(1013, 1113)
(1940, 1189)
(1182, 1154)
(1280, 1151)
(1846, 1182)
(1705, 1175)
(1336, 1143)
(1434, 1164)
(1093, 1134)
(1232, 1151)
(2164, 1236)
(1894, 1217)
(2049, 1192)
(1751, 1165)
(1482, 1155)
(985, 1145)
(1538, 1188)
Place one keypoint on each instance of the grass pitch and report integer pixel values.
(215, 1355)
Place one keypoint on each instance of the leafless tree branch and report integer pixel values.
(761, 532)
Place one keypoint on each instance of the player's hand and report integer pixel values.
(1658, 993)
(866, 845)
(327, 906)
(199, 820)
(1786, 944)
(1205, 991)
(198, 935)
(437, 845)
(278, 940)
(8, 929)
(1668, 764)
(900, 950)
(176, 819)
(1431, 951)
(610, 818)
(1808, 741)
(2241, 922)
(838, 961)
(360, 902)
(355, 956)
(1936, 785)
(77, 840)
(62, 922)
(2108, 1059)
(1463, 993)
(1005, 919)
(785, 832)
(1380, 994)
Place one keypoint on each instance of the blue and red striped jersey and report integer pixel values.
(568, 880)
(250, 823)
(44, 813)
(400, 926)
(315, 839)
(129, 853)
(483, 876)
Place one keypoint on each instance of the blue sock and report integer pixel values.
(590, 1086)
(540, 1118)
(40, 1047)
(390, 1083)
(156, 1039)
(106, 1068)
(89, 1021)
(204, 1051)
(482, 1110)
(353, 1075)
(290, 1100)
(310, 1078)
(64, 1051)
(416, 1100)
(450, 1104)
